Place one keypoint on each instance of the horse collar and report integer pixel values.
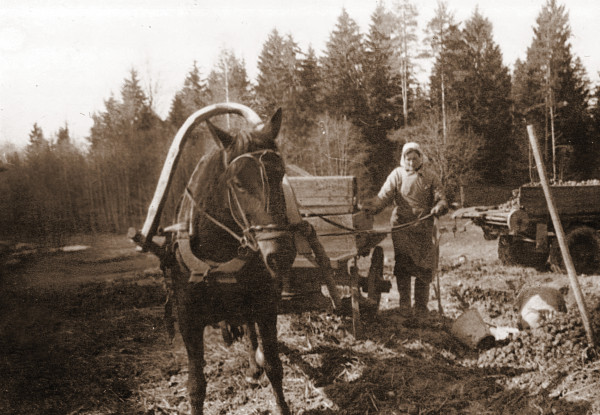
(201, 271)
(204, 271)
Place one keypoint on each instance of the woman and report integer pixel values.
(417, 196)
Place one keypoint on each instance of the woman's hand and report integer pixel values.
(439, 210)
(371, 207)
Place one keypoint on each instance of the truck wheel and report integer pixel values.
(584, 246)
(514, 251)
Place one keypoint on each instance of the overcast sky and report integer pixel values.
(59, 63)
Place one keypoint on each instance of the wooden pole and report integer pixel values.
(437, 287)
(325, 263)
(560, 235)
(355, 301)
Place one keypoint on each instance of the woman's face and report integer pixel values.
(412, 160)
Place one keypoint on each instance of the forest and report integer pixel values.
(347, 111)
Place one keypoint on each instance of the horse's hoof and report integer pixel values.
(253, 376)
(251, 381)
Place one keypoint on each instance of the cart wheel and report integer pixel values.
(375, 275)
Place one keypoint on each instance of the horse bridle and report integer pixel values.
(251, 234)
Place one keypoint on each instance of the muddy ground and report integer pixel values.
(82, 333)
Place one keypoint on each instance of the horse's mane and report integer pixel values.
(204, 180)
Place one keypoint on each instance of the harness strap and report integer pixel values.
(213, 220)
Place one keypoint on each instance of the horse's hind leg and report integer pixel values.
(254, 371)
(267, 326)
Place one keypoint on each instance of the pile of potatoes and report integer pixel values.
(562, 338)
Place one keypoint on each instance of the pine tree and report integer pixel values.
(381, 94)
(192, 97)
(178, 112)
(552, 90)
(303, 114)
(441, 31)
(37, 143)
(126, 141)
(135, 106)
(482, 95)
(228, 80)
(278, 77)
(342, 63)
(381, 91)
(595, 113)
(63, 137)
(310, 99)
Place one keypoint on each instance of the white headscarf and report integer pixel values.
(412, 147)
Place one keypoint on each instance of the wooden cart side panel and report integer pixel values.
(325, 194)
(570, 200)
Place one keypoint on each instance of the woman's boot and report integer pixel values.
(403, 282)
(421, 297)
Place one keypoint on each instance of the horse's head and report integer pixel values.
(246, 197)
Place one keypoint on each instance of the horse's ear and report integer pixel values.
(222, 138)
(276, 122)
(271, 129)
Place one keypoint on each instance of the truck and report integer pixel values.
(525, 231)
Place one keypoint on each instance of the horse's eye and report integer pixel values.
(238, 185)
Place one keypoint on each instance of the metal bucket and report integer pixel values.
(471, 330)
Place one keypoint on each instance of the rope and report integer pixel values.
(350, 231)
(213, 220)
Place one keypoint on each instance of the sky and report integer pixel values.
(60, 62)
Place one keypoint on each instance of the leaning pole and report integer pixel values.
(560, 235)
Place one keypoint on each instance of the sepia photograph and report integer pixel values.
(299, 207)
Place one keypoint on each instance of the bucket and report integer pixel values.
(471, 330)
(538, 304)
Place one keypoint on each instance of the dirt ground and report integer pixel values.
(82, 333)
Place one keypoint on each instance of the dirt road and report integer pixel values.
(82, 333)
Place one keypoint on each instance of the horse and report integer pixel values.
(232, 246)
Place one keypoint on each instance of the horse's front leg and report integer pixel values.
(196, 379)
(254, 362)
(267, 326)
(192, 332)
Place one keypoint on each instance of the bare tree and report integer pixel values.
(332, 148)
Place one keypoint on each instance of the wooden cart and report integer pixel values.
(330, 205)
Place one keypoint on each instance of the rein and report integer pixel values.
(211, 218)
(351, 231)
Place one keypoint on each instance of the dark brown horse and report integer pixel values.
(232, 245)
